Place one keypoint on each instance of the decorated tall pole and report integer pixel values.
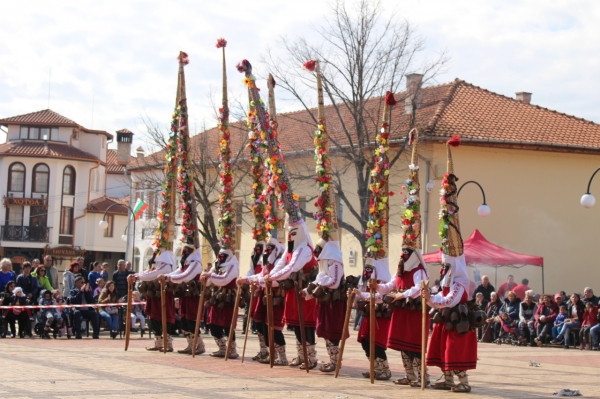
(225, 212)
(275, 218)
(377, 225)
(326, 214)
(411, 218)
(279, 178)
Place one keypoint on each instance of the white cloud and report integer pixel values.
(122, 54)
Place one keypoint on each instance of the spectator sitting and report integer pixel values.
(559, 321)
(510, 306)
(506, 287)
(51, 271)
(110, 314)
(52, 315)
(120, 278)
(594, 331)
(521, 289)
(137, 314)
(41, 274)
(484, 288)
(94, 275)
(65, 313)
(545, 316)
(573, 321)
(510, 326)
(29, 284)
(7, 300)
(69, 278)
(526, 320)
(20, 315)
(81, 295)
(104, 271)
(588, 296)
(6, 273)
(492, 310)
(589, 320)
(100, 283)
(559, 299)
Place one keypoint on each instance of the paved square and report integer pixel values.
(89, 368)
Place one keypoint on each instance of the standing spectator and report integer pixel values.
(526, 317)
(69, 278)
(105, 271)
(40, 274)
(95, 274)
(6, 273)
(506, 286)
(120, 278)
(110, 314)
(560, 320)
(588, 296)
(81, 295)
(485, 288)
(521, 289)
(573, 321)
(127, 265)
(51, 271)
(544, 319)
(590, 318)
(29, 284)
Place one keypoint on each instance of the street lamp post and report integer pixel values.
(104, 225)
(587, 199)
(483, 210)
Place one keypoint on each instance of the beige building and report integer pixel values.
(533, 163)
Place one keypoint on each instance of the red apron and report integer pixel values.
(154, 310)
(188, 306)
(222, 317)
(382, 328)
(309, 307)
(330, 320)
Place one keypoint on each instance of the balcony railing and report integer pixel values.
(25, 233)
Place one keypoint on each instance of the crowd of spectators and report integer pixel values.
(516, 315)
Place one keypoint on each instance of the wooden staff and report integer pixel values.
(233, 321)
(163, 304)
(372, 319)
(298, 288)
(424, 333)
(269, 294)
(199, 316)
(344, 332)
(249, 321)
(126, 317)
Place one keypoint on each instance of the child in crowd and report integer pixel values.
(590, 317)
(559, 321)
(51, 314)
(137, 313)
(100, 285)
(511, 326)
(65, 314)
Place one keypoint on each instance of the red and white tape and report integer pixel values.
(88, 305)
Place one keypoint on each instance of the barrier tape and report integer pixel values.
(87, 305)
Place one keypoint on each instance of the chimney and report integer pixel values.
(524, 97)
(140, 153)
(413, 90)
(124, 140)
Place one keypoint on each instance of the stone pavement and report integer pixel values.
(89, 368)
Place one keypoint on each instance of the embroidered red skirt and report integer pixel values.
(188, 307)
(330, 320)
(450, 350)
(405, 330)
(220, 317)
(382, 328)
(154, 310)
(291, 317)
(259, 314)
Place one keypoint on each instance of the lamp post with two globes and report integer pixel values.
(104, 225)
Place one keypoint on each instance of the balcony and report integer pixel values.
(25, 233)
(148, 233)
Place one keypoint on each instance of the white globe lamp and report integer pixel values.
(103, 224)
(124, 237)
(483, 210)
(588, 200)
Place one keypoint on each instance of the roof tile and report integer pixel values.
(46, 149)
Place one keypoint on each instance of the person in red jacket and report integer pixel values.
(544, 319)
(521, 289)
(506, 286)
(590, 318)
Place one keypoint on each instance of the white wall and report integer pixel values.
(117, 186)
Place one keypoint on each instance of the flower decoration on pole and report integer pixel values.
(449, 228)
(275, 162)
(225, 211)
(377, 228)
(411, 218)
(325, 215)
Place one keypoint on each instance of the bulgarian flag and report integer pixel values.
(140, 206)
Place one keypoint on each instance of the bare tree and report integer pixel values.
(363, 53)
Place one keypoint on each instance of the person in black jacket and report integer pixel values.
(485, 288)
(573, 321)
(81, 295)
(29, 284)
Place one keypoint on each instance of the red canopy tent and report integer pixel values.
(479, 251)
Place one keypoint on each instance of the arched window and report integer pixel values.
(41, 178)
(16, 177)
(69, 181)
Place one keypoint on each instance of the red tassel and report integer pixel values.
(221, 42)
(183, 57)
(244, 66)
(454, 141)
(411, 137)
(389, 99)
(272, 81)
(310, 65)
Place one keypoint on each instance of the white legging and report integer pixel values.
(139, 316)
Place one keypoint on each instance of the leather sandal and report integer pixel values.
(460, 387)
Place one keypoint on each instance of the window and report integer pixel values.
(38, 216)
(34, 133)
(136, 258)
(24, 133)
(38, 133)
(109, 230)
(16, 177)
(41, 175)
(66, 220)
(69, 181)
(15, 215)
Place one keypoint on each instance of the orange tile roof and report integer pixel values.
(47, 117)
(100, 205)
(112, 166)
(44, 149)
(479, 116)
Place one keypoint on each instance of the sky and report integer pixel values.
(112, 63)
